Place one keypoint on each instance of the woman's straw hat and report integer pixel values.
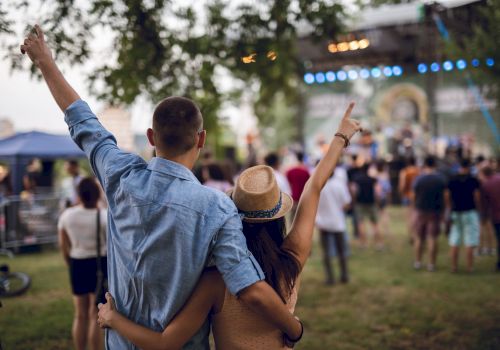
(258, 197)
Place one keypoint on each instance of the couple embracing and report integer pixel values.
(182, 257)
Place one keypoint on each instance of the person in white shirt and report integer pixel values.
(78, 227)
(273, 160)
(69, 184)
(331, 222)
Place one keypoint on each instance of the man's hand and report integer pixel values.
(36, 47)
(348, 127)
(106, 312)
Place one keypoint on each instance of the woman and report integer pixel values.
(263, 208)
(78, 241)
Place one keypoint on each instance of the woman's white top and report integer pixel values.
(81, 226)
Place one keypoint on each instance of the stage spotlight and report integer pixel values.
(330, 76)
(343, 46)
(364, 73)
(376, 72)
(320, 77)
(341, 75)
(447, 66)
(353, 45)
(352, 75)
(309, 78)
(332, 48)
(397, 71)
(461, 64)
(475, 62)
(435, 67)
(490, 62)
(387, 71)
(364, 43)
(422, 68)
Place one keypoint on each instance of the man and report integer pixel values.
(428, 198)
(297, 177)
(164, 226)
(366, 188)
(70, 183)
(273, 160)
(491, 191)
(335, 199)
(407, 176)
(463, 198)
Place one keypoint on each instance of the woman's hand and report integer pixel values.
(107, 312)
(348, 127)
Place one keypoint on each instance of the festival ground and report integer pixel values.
(387, 305)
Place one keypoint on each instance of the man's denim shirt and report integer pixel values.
(164, 227)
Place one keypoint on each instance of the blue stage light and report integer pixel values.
(309, 78)
(341, 75)
(352, 74)
(475, 62)
(447, 65)
(490, 62)
(376, 72)
(422, 68)
(330, 76)
(397, 71)
(461, 64)
(320, 77)
(435, 67)
(387, 71)
(364, 73)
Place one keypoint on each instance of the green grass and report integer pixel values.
(387, 305)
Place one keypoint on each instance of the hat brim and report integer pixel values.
(286, 206)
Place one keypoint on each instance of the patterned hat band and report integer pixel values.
(261, 214)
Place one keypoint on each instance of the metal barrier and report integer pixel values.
(29, 221)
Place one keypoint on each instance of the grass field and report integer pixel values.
(387, 305)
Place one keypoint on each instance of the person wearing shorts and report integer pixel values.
(428, 198)
(463, 198)
(78, 241)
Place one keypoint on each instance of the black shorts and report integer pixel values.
(83, 274)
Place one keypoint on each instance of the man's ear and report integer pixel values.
(202, 138)
(150, 134)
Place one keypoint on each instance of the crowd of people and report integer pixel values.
(186, 251)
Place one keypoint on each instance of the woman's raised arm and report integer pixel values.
(299, 240)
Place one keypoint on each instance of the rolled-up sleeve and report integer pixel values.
(98, 143)
(234, 261)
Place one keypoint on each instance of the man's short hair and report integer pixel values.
(465, 163)
(272, 160)
(430, 161)
(89, 193)
(176, 122)
(300, 156)
(73, 162)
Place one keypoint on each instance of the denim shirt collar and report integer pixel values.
(167, 167)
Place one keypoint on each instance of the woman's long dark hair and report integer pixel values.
(281, 268)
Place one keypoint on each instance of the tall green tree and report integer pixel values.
(160, 48)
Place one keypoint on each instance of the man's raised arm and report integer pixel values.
(38, 51)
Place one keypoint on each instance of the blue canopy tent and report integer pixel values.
(18, 150)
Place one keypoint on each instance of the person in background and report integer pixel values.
(216, 178)
(491, 191)
(273, 160)
(77, 228)
(407, 177)
(366, 204)
(335, 199)
(486, 235)
(5, 182)
(31, 178)
(353, 169)
(428, 199)
(297, 177)
(70, 183)
(384, 195)
(463, 198)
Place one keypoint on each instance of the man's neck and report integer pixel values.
(184, 159)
